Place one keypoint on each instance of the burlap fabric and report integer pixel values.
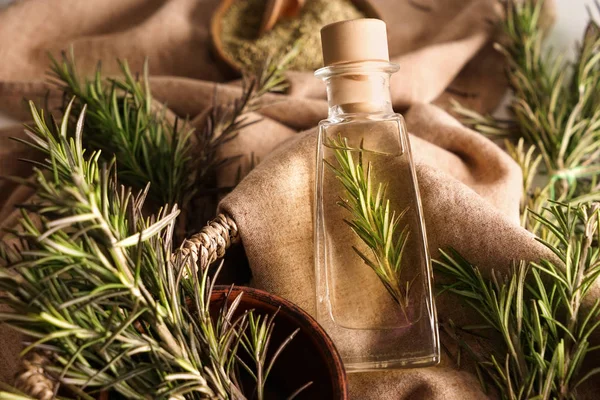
(470, 188)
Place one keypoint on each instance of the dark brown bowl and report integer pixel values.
(310, 356)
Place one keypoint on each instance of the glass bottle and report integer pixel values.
(373, 270)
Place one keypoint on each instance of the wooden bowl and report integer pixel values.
(310, 356)
(232, 66)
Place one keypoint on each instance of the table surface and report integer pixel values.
(571, 20)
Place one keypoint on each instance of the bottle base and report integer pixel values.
(363, 366)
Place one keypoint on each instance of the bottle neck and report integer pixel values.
(358, 88)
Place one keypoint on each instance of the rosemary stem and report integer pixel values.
(259, 380)
(398, 294)
(575, 304)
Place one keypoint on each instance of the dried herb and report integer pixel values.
(242, 21)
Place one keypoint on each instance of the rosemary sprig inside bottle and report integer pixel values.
(373, 220)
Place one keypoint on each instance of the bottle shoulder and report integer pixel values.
(360, 118)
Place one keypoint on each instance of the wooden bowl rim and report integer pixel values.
(365, 6)
(215, 34)
(303, 320)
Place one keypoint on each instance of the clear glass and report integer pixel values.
(375, 321)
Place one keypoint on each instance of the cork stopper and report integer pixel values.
(354, 40)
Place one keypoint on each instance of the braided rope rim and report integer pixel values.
(204, 248)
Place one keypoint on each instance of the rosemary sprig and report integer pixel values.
(538, 309)
(123, 122)
(372, 220)
(255, 342)
(225, 121)
(543, 324)
(555, 105)
(484, 124)
(95, 282)
(534, 198)
(180, 162)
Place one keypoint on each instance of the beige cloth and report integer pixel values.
(470, 188)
